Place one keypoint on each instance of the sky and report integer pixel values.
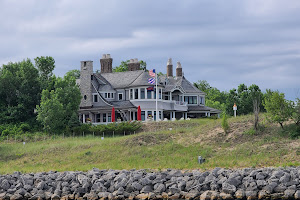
(223, 42)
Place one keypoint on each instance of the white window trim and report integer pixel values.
(119, 96)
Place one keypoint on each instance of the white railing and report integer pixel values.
(181, 103)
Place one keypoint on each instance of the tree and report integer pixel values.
(58, 108)
(278, 108)
(255, 95)
(296, 113)
(19, 91)
(225, 124)
(203, 85)
(45, 65)
(74, 73)
(123, 67)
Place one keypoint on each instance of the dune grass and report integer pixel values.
(176, 148)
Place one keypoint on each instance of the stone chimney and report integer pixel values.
(106, 63)
(134, 65)
(169, 68)
(178, 70)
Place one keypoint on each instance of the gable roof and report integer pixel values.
(121, 79)
(142, 80)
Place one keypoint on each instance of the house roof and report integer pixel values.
(121, 79)
(203, 108)
(142, 80)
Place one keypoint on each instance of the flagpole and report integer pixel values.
(157, 114)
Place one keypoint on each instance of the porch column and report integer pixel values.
(205, 114)
(186, 115)
(134, 116)
(130, 115)
(83, 118)
(183, 115)
(171, 115)
(174, 116)
(208, 114)
(91, 115)
(170, 96)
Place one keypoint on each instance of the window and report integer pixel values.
(120, 96)
(160, 115)
(109, 117)
(95, 97)
(201, 100)
(136, 93)
(142, 93)
(109, 95)
(131, 93)
(154, 115)
(98, 117)
(104, 117)
(143, 115)
(190, 99)
(159, 95)
(149, 94)
(85, 97)
(149, 115)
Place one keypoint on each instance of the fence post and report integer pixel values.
(113, 133)
(134, 132)
(15, 139)
(63, 135)
(124, 133)
(103, 134)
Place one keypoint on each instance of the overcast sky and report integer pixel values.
(224, 42)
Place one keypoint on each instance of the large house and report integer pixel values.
(125, 91)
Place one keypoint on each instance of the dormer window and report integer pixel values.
(95, 98)
(120, 95)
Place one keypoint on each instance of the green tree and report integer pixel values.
(296, 113)
(123, 67)
(59, 107)
(225, 124)
(45, 65)
(278, 108)
(19, 91)
(74, 73)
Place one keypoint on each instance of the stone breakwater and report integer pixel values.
(219, 183)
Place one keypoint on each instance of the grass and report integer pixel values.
(176, 148)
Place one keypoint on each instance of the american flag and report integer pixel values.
(151, 80)
(150, 88)
(152, 73)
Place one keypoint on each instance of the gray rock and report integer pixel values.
(228, 189)
(146, 189)
(289, 194)
(280, 189)
(240, 194)
(297, 194)
(233, 181)
(251, 195)
(5, 185)
(260, 176)
(159, 188)
(16, 197)
(137, 186)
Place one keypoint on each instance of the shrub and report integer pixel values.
(225, 124)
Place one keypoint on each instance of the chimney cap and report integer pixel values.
(178, 65)
(103, 56)
(169, 61)
(136, 60)
(108, 56)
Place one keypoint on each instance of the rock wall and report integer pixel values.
(248, 183)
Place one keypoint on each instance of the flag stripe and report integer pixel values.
(152, 73)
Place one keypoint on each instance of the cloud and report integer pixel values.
(223, 42)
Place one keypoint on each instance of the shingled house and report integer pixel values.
(125, 91)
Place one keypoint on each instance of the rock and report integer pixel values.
(5, 185)
(288, 194)
(175, 196)
(55, 197)
(159, 188)
(240, 194)
(147, 189)
(251, 195)
(263, 194)
(280, 189)
(16, 197)
(225, 196)
(82, 179)
(142, 196)
(165, 195)
(191, 195)
(276, 196)
(215, 195)
(174, 189)
(137, 186)
(206, 195)
(228, 189)
(233, 181)
(260, 176)
(297, 195)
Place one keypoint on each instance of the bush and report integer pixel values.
(225, 124)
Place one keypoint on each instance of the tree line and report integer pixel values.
(32, 98)
(252, 100)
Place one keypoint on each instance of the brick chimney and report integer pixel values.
(178, 70)
(134, 65)
(106, 63)
(169, 68)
